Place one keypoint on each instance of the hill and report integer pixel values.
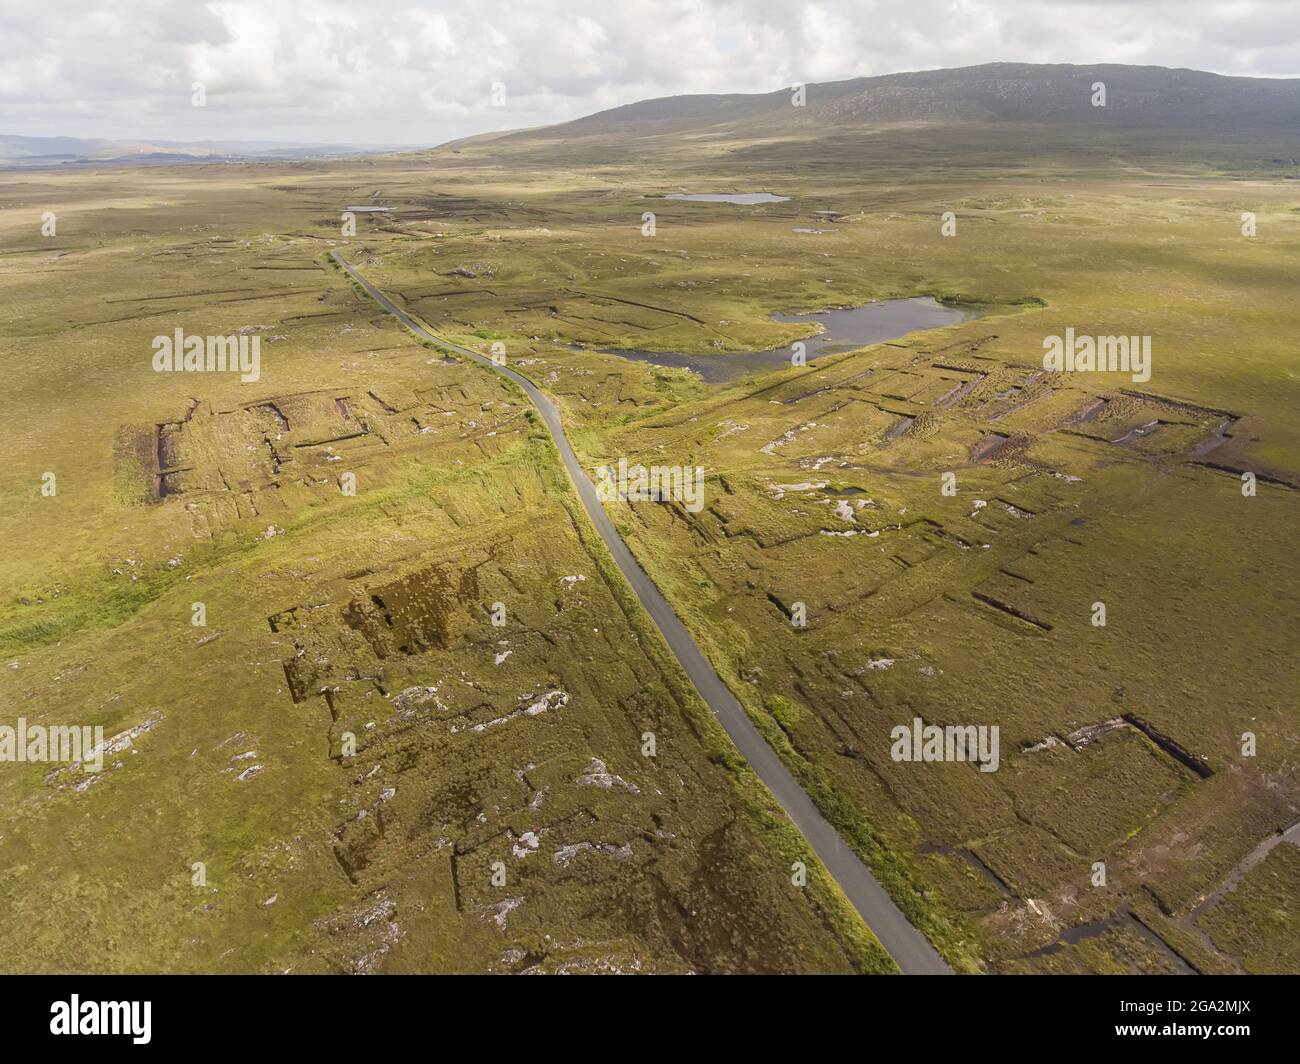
(1147, 109)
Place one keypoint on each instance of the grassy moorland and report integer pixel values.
(348, 744)
(973, 608)
(370, 615)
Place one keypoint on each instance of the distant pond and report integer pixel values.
(748, 199)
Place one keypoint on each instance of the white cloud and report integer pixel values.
(398, 71)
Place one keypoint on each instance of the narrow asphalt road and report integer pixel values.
(909, 948)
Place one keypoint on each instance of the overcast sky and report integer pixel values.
(422, 71)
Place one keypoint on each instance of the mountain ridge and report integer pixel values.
(993, 110)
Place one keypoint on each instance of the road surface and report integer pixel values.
(909, 948)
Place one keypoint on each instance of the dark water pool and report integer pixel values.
(845, 330)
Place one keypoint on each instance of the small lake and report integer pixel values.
(747, 199)
(845, 330)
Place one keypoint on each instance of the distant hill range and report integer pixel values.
(45, 152)
(1002, 109)
(1050, 104)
